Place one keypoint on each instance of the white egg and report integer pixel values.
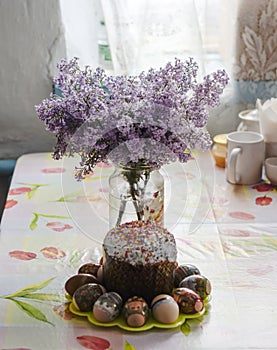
(165, 309)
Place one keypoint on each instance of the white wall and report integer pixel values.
(34, 36)
(32, 41)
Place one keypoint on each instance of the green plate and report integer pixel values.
(121, 323)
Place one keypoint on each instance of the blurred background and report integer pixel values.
(126, 37)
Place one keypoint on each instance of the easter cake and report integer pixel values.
(139, 259)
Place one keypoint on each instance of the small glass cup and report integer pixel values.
(219, 150)
(271, 169)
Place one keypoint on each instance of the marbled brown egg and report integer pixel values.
(100, 274)
(198, 283)
(135, 311)
(76, 281)
(86, 295)
(107, 307)
(183, 271)
(89, 268)
(189, 302)
(164, 309)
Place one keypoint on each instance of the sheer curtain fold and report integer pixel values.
(236, 35)
(145, 34)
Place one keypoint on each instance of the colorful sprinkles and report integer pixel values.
(137, 242)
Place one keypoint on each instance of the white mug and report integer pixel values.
(245, 157)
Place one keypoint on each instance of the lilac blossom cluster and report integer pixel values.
(154, 118)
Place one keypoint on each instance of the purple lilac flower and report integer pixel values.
(156, 117)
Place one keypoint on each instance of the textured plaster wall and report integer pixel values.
(32, 41)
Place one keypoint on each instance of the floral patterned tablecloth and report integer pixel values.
(53, 224)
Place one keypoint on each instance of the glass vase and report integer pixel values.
(136, 194)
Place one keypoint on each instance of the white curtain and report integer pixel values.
(149, 33)
(233, 34)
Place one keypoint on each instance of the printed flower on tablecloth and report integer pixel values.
(104, 189)
(241, 215)
(47, 252)
(16, 349)
(263, 201)
(28, 191)
(261, 270)
(186, 175)
(63, 311)
(220, 201)
(36, 216)
(81, 196)
(83, 199)
(53, 170)
(263, 187)
(104, 165)
(10, 203)
(52, 253)
(93, 343)
(58, 226)
(234, 232)
(22, 255)
(18, 190)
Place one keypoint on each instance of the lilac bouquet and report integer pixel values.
(154, 118)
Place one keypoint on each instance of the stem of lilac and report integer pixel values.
(121, 211)
(133, 194)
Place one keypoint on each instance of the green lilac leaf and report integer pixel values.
(33, 185)
(128, 346)
(54, 216)
(95, 178)
(30, 194)
(270, 241)
(30, 289)
(33, 223)
(68, 197)
(75, 258)
(31, 311)
(44, 297)
(185, 328)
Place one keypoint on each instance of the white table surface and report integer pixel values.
(53, 224)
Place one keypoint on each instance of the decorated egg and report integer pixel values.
(100, 274)
(89, 268)
(107, 307)
(189, 302)
(86, 295)
(76, 281)
(183, 271)
(135, 311)
(198, 283)
(164, 308)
